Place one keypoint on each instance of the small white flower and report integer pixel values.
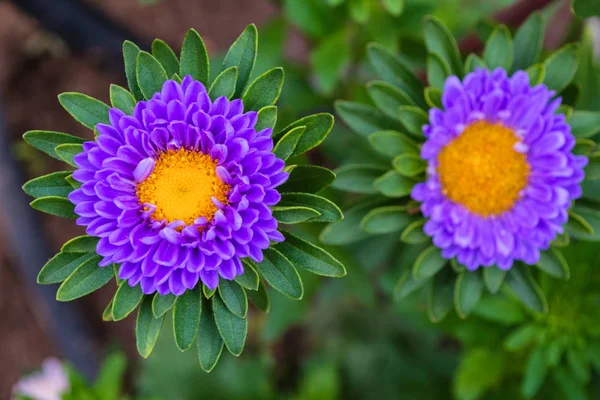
(49, 383)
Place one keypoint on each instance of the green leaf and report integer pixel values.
(561, 67)
(210, 344)
(585, 124)
(433, 97)
(467, 292)
(310, 257)
(386, 219)
(392, 143)
(393, 70)
(294, 215)
(194, 58)
(208, 293)
(388, 98)
(406, 285)
(439, 40)
(165, 56)
(360, 10)
(59, 267)
(87, 278)
(234, 297)
(280, 274)
(287, 144)
(347, 231)
(393, 7)
(500, 309)
(585, 8)
(242, 54)
(85, 109)
(110, 378)
(265, 90)
(437, 70)
(584, 224)
(232, 328)
(147, 328)
(473, 62)
(498, 52)
(80, 244)
(224, 84)
(329, 60)
(409, 164)
(126, 300)
(150, 74)
(47, 141)
(570, 387)
(130, 55)
(584, 147)
(122, 99)
(317, 126)
(260, 298)
(528, 42)
(186, 317)
(521, 338)
(249, 279)
(53, 184)
(441, 296)
(493, 278)
(364, 119)
(162, 304)
(526, 288)
(413, 234)
(308, 179)
(535, 373)
(328, 210)
(267, 118)
(578, 364)
(536, 73)
(413, 118)
(429, 263)
(66, 152)
(553, 263)
(357, 178)
(53, 205)
(392, 184)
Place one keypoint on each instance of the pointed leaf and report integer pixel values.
(437, 70)
(467, 292)
(413, 119)
(80, 244)
(294, 214)
(260, 298)
(406, 285)
(498, 52)
(310, 257)
(536, 73)
(328, 210)
(409, 165)
(194, 58)
(87, 278)
(392, 143)
(440, 41)
(234, 297)
(388, 98)
(162, 304)
(165, 56)
(553, 263)
(147, 328)
(308, 179)
(392, 184)
(493, 278)
(441, 298)
(85, 109)
(585, 124)
(433, 97)
(121, 98)
(126, 300)
(535, 372)
(53, 184)
(224, 84)
(317, 126)
(357, 178)
(210, 344)
(413, 234)
(528, 42)
(265, 90)
(348, 230)
(386, 219)
(280, 274)
(526, 288)
(186, 317)
(473, 62)
(267, 118)
(561, 67)
(249, 279)
(130, 55)
(47, 141)
(150, 74)
(61, 266)
(233, 329)
(53, 205)
(287, 144)
(429, 262)
(66, 152)
(242, 54)
(364, 119)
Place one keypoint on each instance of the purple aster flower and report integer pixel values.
(50, 383)
(501, 171)
(180, 191)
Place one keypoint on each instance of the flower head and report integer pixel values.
(50, 383)
(501, 171)
(180, 191)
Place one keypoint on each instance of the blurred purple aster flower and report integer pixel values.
(50, 383)
(180, 191)
(501, 171)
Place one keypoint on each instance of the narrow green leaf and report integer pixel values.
(74, 183)
(249, 279)
(234, 297)
(413, 234)
(441, 296)
(130, 55)
(439, 40)
(233, 329)
(265, 90)
(437, 71)
(310, 257)
(521, 338)
(87, 278)
(528, 42)
(107, 313)
(224, 84)
(147, 328)
(386, 219)
(429, 262)
(122, 99)
(578, 364)
(162, 304)
(535, 373)
(242, 54)
(260, 298)
(53, 184)
(80, 244)
(409, 165)
(388, 97)
(267, 118)
(561, 67)
(357, 178)
(317, 126)
(210, 344)
(467, 292)
(150, 74)
(287, 144)
(53, 205)
(364, 119)
(294, 214)
(176, 78)
(110, 377)
(585, 124)
(526, 288)
(571, 388)
(126, 300)
(280, 274)
(406, 285)
(208, 293)
(473, 62)
(47, 141)
(553, 263)
(186, 317)
(85, 109)
(413, 119)
(328, 210)
(392, 143)
(308, 179)
(348, 230)
(493, 278)
(433, 97)
(392, 184)
(536, 73)
(165, 56)
(498, 52)
(66, 152)
(194, 58)
(59, 267)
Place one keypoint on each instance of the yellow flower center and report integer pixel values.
(481, 170)
(181, 187)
